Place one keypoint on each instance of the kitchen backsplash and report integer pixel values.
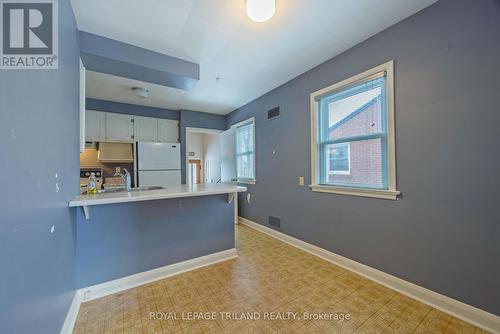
(89, 159)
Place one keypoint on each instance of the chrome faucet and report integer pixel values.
(127, 180)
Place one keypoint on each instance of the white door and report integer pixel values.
(94, 125)
(155, 156)
(164, 178)
(212, 157)
(193, 173)
(145, 129)
(168, 131)
(119, 127)
(228, 159)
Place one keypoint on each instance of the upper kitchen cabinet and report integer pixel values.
(168, 131)
(145, 129)
(119, 127)
(104, 126)
(94, 125)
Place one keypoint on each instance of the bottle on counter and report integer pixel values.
(92, 184)
(128, 180)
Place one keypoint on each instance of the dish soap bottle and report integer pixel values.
(92, 184)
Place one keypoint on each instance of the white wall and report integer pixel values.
(212, 157)
(195, 144)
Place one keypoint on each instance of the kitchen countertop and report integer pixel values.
(183, 190)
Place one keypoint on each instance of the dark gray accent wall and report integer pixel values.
(106, 55)
(196, 119)
(130, 109)
(128, 238)
(444, 233)
(39, 126)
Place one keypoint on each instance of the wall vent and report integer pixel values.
(273, 113)
(274, 221)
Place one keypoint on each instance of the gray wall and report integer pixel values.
(196, 119)
(39, 139)
(124, 239)
(444, 233)
(130, 109)
(102, 54)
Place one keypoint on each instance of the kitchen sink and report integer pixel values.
(118, 190)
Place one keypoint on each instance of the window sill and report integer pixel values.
(246, 181)
(383, 194)
(340, 173)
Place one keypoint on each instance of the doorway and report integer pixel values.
(203, 156)
(194, 171)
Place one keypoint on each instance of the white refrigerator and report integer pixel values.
(158, 164)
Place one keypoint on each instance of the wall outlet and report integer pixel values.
(301, 180)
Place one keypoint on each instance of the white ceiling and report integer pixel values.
(249, 58)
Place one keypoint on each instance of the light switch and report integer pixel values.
(248, 198)
(301, 180)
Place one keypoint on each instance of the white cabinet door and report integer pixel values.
(94, 125)
(145, 129)
(168, 131)
(119, 127)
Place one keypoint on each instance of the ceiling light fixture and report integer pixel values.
(141, 92)
(261, 10)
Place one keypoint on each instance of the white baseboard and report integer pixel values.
(470, 314)
(72, 314)
(132, 281)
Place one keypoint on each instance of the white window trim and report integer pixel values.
(391, 192)
(254, 179)
(343, 172)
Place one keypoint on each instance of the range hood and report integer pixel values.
(115, 152)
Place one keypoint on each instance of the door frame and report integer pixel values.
(195, 130)
(197, 162)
